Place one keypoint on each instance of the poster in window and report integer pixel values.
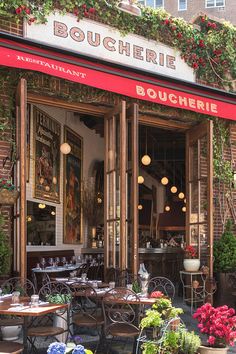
(47, 137)
(72, 188)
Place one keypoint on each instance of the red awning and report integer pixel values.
(14, 54)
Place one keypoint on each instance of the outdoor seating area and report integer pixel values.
(105, 317)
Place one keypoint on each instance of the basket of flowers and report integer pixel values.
(8, 192)
(191, 260)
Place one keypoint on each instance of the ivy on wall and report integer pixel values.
(209, 49)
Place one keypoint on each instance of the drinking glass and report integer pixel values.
(79, 259)
(34, 300)
(15, 298)
(73, 260)
(43, 262)
(112, 284)
(63, 261)
(57, 260)
(83, 276)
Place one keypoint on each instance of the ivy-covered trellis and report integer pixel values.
(209, 49)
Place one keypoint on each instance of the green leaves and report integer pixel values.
(5, 250)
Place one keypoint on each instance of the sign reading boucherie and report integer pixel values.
(100, 41)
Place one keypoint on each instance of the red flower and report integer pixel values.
(28, 11)
(156, 294)
(213, 25)
(84, 6)
(203, 19)
(92, 10)
(86, 13)
(18, 10)
(201, 43)
(76, 11)
(208, 24)
(23, 7)
(167, 21)
(190, 250)
(179, 35)
(173, 28)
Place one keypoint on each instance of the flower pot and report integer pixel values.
(174, 325)
(152, 332)
(191, 265)
(8, 196)
(209, 350)
(10, 332)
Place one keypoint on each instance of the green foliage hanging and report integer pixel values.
(5, 250)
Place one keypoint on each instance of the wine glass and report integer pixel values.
(57, 261)
(43, 262)
(50, 261)
(63, 261)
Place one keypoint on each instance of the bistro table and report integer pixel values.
(68, 268)
(24, 310)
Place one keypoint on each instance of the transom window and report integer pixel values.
(182, 5)
(152, 3)
(215, 3)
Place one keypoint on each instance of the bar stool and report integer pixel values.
(7, 347)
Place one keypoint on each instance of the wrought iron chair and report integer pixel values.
(86, 311)
(25, 288)
(40, 279)
(112, 274)
(162, 284)
(48, 326)
(7, 347)
(83, 268)
(120, 315)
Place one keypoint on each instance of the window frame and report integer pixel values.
(186, 6)
(215, 5)
(154, 3)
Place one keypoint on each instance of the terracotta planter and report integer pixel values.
(191, 265)
(209, 350)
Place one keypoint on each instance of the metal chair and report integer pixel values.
(7, 347)
(120, 315)
(83, 268)
(47, 326)
(25, 287)
(86, 311)
(162, 284)
(112, 274)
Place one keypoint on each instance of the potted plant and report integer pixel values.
(61, 348)
(219, 324)
(191, 260)
(8, 192)
(151, 323)
(225, 265)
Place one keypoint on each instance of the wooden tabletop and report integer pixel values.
(26, 310)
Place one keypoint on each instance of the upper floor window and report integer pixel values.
(152, 3)
(215, 3)
(182, 5)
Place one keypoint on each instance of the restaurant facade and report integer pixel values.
(100, 126)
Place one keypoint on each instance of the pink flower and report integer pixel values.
(18, 10)
(211, 340)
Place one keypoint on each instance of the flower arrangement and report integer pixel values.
(190, 252)
(6, 184)
(219, 323)
(157, 294)
(61, 348)
(8, 192)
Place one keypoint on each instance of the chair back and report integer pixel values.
(85, 300)
(83, 268)
(24, 286)
(112, 274)
(162, 284)
(118, 307)
(55, 292)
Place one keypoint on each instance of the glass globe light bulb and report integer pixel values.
(181, 195)
(146, 160)
(164, 181)
(140, 179)
(173, 189)
(167, 208)
(65, 148)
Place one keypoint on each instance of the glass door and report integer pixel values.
(199, 188)
(121, 188)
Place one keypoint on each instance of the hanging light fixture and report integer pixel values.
(164, 179)
(140, 180)
(184, 209)
(129, 7)
(146, 159)
(42, 206)
(65, 148)
(167, 208)
(181, 194)
(173, 188)
(140, 207)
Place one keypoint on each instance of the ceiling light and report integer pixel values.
(167, 208)
(173, 189)
(53, 213)
(140, 207)
(146, 160)
(140, 179)
(181, 195)
(42, 206)
(164, 181)
(65, 148)
(184, 209)
(129, 7)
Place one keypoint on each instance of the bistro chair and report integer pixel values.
(25, 288)
(40, 279)
(112, 274)
(50, 325)
(86, 309)
(10, 347)
(83, 268)
(120, 315)
(162, 284)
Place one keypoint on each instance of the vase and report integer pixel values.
(209, 350)
(191, 265)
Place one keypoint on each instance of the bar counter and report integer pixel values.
(166, 261)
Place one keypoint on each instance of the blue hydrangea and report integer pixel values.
(56, 348)
(79, 349)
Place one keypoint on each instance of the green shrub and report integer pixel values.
(5, 250)
(225, 251)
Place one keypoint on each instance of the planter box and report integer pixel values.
(226, 286)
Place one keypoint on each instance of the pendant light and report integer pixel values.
(164, 179)
(65, 148)
(167, 208)
(184, 209)
(181, 194)
(173, 188)
(140, 180)
(140, 207)
(146, 159)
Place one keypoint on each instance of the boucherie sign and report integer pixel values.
(103, 42)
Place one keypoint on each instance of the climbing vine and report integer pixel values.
(208, 49)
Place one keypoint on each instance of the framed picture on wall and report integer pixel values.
(72, 188)
(47, 139)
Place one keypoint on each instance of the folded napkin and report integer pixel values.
(18, 308)
(5, 295)
(61, 279)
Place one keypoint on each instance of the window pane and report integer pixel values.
(150, 3)
(182, 4)
(142, 2)
(210, 3)
(159, 3)
(220, 3)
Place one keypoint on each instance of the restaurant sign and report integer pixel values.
(97, 40)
